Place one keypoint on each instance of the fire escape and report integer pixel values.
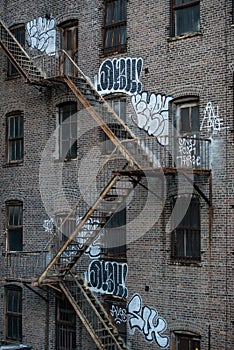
(61, 271)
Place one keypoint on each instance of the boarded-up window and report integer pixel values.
(185, 341)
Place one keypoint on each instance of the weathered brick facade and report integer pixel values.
(194, 295)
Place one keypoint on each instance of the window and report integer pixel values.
(65, 325)
(185, 341)
(119, 106)
(14, 226)
(115, 26)
(115, 235)
(185, 17)
(13, 310)
(69, 42)
(15, 137)
(19, 33)
(185, 239)
(68, 131)
(186, 116)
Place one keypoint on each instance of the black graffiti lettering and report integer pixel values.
(108, 277)
(120, 75)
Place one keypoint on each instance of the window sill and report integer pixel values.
(184, 36)
(195, 263)
(13, 164)
(113, 52)
(13, 77)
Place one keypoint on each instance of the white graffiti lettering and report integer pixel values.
(152, 114)
(41, 34)
(147, 321)
(48, 225)
(119, 75)
(211, 119)
(107, 277)
(188, 149)
(94, 249)
(119, 314)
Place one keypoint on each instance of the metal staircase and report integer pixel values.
(109, 201)
(18, 56)
(92, 313)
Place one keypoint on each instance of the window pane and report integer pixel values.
(195, 118)
(68, 130)
(15, 239)
(187, 20)
(184, 118)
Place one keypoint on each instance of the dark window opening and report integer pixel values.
(68, 131)
(186, 341)
(115, 236)
(14, 313)
(115, 26)
(69, 43)
(19, 33)
(185, 238)
(119, 107)
(15, 137)
(65, 325)
(15, 226)
(185, 17)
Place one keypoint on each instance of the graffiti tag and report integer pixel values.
(119, 314)
(48, 225)
(147, 321)
(107, 277)
(152, 114)
(119, 75)
(41, 34)
(211, 119)
(188, 152)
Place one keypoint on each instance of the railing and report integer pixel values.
(188, 152)
(23, 265)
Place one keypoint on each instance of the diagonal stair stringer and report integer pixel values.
(92, 314)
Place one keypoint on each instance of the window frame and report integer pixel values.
(72, 140)
(107, 145)
(14, 139)
(185, 234)
(62, 325)
(115, 25)
(115, 230)
(11, 229)
(180, 104)
(70, 26)
(16, 30)
(15, 314)
(195, 338)
(182, 6)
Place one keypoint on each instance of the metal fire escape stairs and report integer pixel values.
(88, 308)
